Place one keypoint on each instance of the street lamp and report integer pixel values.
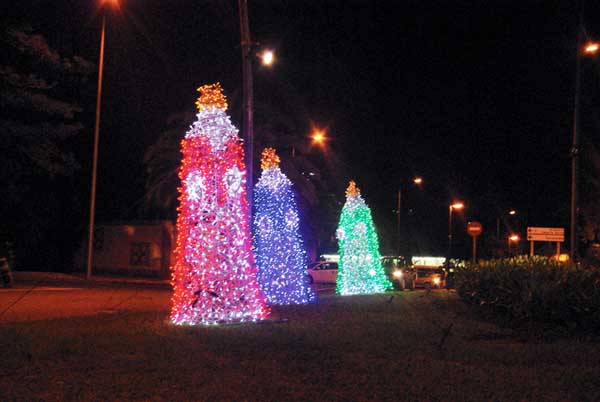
(513, 238)
(456, 205)
(418, 181)
(268, 58)
(512, 213)
(88, 275)
(590, 48)
(318, 135)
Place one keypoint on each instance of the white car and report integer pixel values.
(323, 272)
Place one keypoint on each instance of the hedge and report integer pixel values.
(534, 288)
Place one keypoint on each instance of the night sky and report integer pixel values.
(475, 97)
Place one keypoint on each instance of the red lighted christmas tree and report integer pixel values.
(214, 276)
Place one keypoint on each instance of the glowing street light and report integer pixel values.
(114, 4)
(591, 48)
(418, 181)
(318, 137)
(512, 212)
(457, 206)
(513, 238)
(267, 57)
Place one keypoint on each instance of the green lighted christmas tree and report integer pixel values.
(360, 269)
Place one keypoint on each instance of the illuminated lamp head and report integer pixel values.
(211, 96)
(269, 159)
(352, 190)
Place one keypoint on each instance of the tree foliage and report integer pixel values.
(38, 120)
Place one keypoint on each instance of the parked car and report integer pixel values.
(404, 278)
(429, 277)
(323, 272)
(399, 272)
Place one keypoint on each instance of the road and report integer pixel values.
(23, 303)
(49, 301)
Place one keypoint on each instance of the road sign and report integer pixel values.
(545, 234)
(474, 228)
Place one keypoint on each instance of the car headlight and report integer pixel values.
(436, 280)
(397, 274)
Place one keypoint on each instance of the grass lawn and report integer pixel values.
(359, 348)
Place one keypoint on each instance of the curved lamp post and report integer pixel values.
(90, 255)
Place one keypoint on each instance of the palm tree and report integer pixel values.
(162, 160)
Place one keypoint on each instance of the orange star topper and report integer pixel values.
(269, 159)
(352, 190)
(211, 95)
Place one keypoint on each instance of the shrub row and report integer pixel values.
(534, 288)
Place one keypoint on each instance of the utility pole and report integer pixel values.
(575, 145)
(590, 48)
(247, 104)
(398, 211)
(451, 208)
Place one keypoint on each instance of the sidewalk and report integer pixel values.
(21, 277)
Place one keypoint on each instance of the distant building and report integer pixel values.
(140, 248)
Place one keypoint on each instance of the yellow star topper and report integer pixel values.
(211, 96)
(352, 190)
(269, 159)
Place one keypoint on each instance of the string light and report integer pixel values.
(214, 277)
(280, 254)
(360, 270)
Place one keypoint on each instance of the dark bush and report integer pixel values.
(534, 289)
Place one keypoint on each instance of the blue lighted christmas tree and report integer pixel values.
(280, 255)
(360, 269)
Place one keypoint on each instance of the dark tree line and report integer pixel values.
(40, 129)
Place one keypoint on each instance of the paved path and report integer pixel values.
(31, 299)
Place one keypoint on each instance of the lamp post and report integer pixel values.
(512, 213)
(456, 205)
(247, 104)
(267, 58)
(90, 255)
(418, 181)
(589, 48)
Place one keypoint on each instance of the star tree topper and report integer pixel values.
(212, 121)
